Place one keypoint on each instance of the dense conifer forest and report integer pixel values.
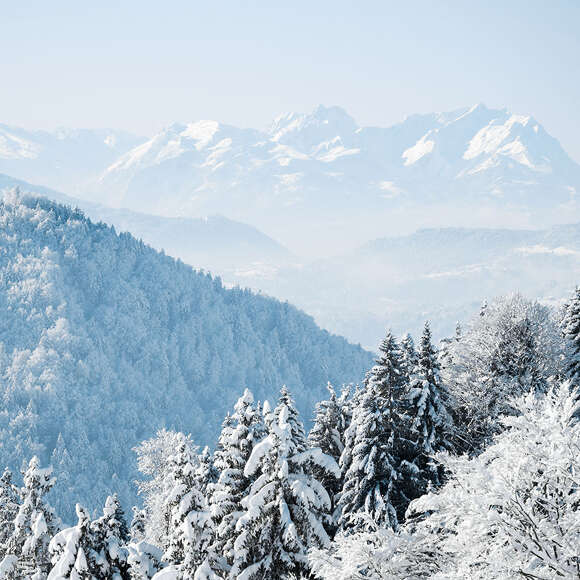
(459, 459)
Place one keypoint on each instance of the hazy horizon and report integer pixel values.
(139, 68)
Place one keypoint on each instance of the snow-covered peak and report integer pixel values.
(309, 130)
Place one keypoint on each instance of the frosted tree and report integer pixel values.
(408, 356)
(155, 461)
(9, 504)
(35, 523)
(240, 433)
(331, 420)
(287, 506)
(188, 532)
(571, 330)
(516, 346)
(376, 444)
(110, 535)
(72, 551)
(514, 510)
(378, 553)
(431, 426)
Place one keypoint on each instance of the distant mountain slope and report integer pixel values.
(214, 243)
(103, 341)
(65, 159)
(438, 274)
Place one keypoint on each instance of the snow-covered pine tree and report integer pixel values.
(35, 523)
(431, 421)
(571, 330)
(345, 403)
(240, 432)
(408, 356)
(72, 551)
(144, 560)
(325, 432)
(206, 472)
(372, 466)
(287, 506)
(331, 420)
(137, 529)
(374, 445)
(110, 536)
(188, 532)
(9, 503)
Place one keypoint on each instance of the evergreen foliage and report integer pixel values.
(9, 505)
(240, 433)
(431, 427)
(35, 523)
(287, 506)
(571, 330)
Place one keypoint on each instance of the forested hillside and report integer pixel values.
(103, 341)
(448, 462)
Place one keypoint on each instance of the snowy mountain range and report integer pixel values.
(485, 167)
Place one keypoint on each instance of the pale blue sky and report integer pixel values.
(140, 65)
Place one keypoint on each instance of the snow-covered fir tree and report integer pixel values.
(325, 432)
(110, 536)
(144, 560)
(138, 525)
(371, 476)
(571, 330)
(432, 425)
(206, 472)
(287, 506)
(240, 433)
(408, 356)
(331, 420)
(72, 551)
(188, 536)
(374, 445)
(9, 502)
(34, 525)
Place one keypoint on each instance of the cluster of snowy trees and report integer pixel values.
(461, 461)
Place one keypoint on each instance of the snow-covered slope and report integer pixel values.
(103, 341)
(442, 275)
